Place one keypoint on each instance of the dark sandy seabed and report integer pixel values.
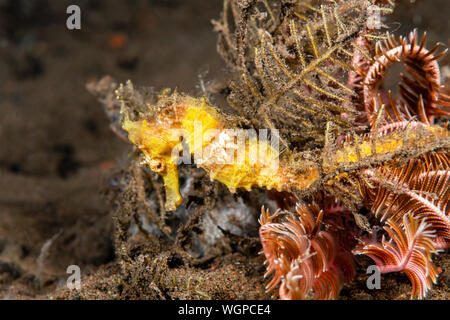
(58, 155)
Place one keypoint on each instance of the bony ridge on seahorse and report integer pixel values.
(194, 127)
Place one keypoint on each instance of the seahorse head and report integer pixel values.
(159, 146)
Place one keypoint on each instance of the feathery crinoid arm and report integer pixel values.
(403, 175)
(304, 260)
(420, 187)
(408, 249)
(420, 87)
(412, 199)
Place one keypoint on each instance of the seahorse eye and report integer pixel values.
(157, 165)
